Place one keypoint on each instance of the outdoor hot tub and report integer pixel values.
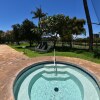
(59, 81)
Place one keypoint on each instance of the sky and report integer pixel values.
(16, 11)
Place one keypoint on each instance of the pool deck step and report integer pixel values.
(60, 66)
(55, 78)
(53, 75)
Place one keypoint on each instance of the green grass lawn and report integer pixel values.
(83, 54)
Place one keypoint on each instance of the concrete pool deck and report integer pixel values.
(12, 62)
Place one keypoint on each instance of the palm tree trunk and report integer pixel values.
(89, 25)
(30, 42)
(39, 27)
(70, 44)
(18, 43)
(39, 22)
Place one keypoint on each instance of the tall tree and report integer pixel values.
(16, 33)
(89, 24)
(26, 30)
(37, 35)
(72, 27)
(63, 26)
(9, 36)
(1, 36)
(53, 25)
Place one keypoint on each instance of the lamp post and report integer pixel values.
(89, 24)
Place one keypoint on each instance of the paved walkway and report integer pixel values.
(12, 62)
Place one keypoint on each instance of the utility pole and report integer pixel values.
(89, 24)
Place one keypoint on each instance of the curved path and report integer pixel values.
(12, 62)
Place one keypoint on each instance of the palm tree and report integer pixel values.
(38, 14)
(89, 25)
(27, 34)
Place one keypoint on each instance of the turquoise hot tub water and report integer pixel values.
(44, 81)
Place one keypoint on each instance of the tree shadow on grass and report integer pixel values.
(74, 50)
(22, 47)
